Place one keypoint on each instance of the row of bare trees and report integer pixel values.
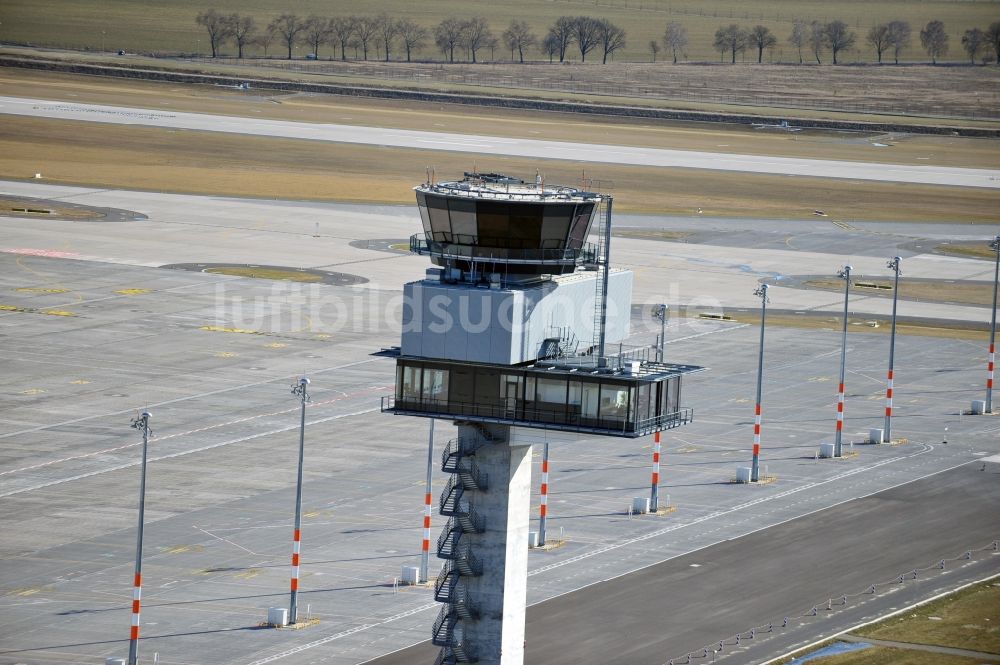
(885, 38)
(382, 34)
(586, 33)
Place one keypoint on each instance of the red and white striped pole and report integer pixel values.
(894, 264)
(654, 495)
(293, 607)
(840, 419)
(425, 548)
(845, 275)
(296, 552)
(543, 507)
(995, 245)
(133, 642)
(755, 464)
(888, 402)
(989, 379)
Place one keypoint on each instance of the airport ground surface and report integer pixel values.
(94, 329)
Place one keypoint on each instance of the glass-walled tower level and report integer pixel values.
(517, 228)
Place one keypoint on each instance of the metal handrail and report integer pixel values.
(500, 412)
(420, 244)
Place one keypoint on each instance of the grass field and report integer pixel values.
(925, 290)
(949, 330)
(890, 656)
(156, 159)
(968, 620)
(967, 250)
(965, 620)
(170, 28)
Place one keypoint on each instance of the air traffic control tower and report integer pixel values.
(506, 336)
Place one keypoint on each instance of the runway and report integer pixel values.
(698, 600)
(499, 146)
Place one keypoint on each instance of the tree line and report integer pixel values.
(382, 35)
(836, 36)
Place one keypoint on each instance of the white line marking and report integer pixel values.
(182, 399)
(183, 453)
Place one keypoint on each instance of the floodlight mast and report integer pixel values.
(301, 390)
(760, 292)
(993, 327)
(894, 266)
(662, 312)
(141, 423)
(844, 274)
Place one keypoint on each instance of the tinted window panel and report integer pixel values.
(581, 225)
(425, 218)
(437, 208)
(555, 226)
(494, 220)
(525, 225)
(463, 221)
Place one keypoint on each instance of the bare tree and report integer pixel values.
(414, 35)
(448, 35)
(899, 37)
(675, 38)
(762, 38)
(934, 39)
(731, 39)
(562, 33)
(838, 37)
(585, 33)
(817, 39)
(317, 32)
(476, 35)
(289, 26)
(611, 38)
(365, 29)
(878, 39)
(550, 45)
(993, 37)
(974, 41)
(264, 40)
(799, 36)
(654, 48)
(341, 32)
(218, 27)
(242, 29)
(386, 30)
(517, 37)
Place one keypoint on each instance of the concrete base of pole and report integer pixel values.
(277, 617)
(410, 575)
(640, 505)
(978, 407)
(876, 435)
